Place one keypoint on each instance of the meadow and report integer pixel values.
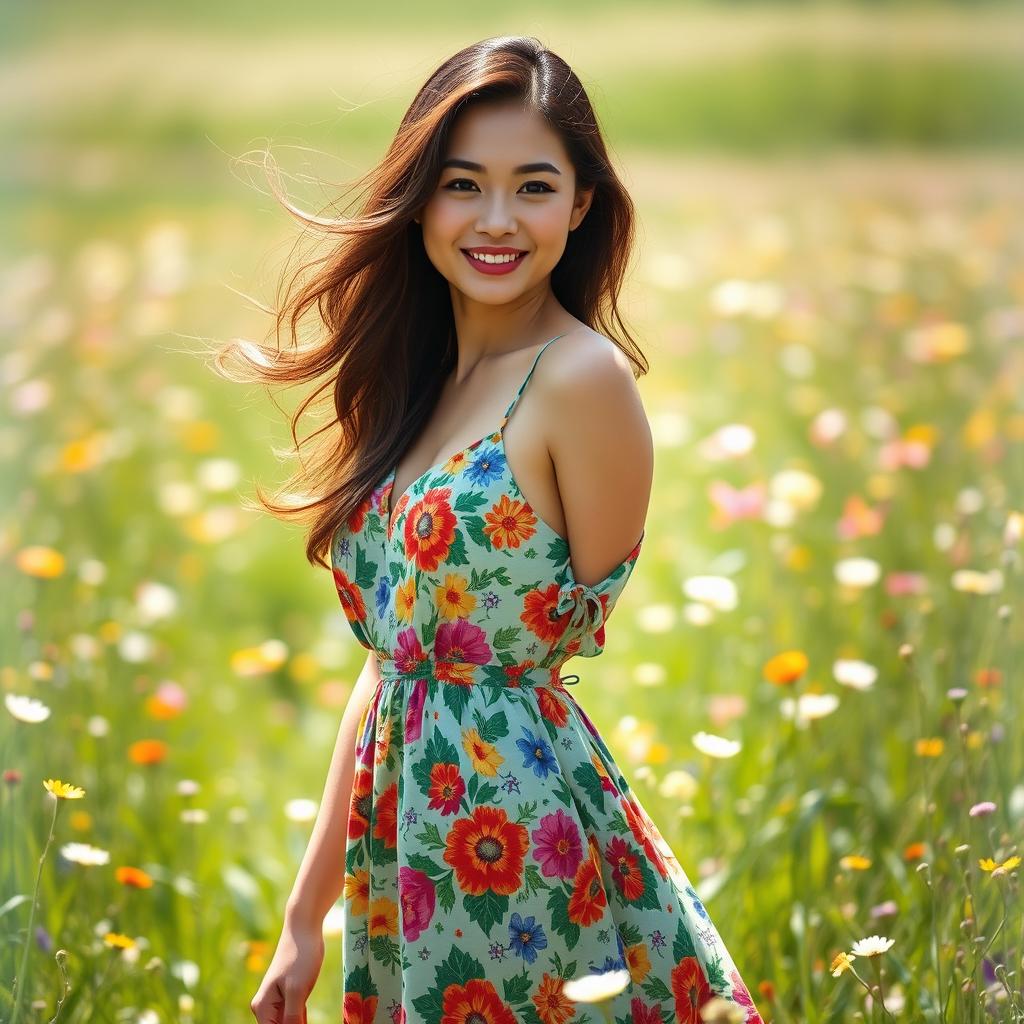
(812, 678)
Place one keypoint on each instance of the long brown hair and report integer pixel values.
(389, 340)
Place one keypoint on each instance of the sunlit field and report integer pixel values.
(812, 680)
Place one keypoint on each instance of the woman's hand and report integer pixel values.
(290, 978)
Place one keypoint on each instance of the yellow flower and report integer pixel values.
(785, 668)
(988, 864)
(485, 757)
(64, 790)
(383, 917)
(452, 600)
(855, 862)
(841, 963)
(405, 600)
(932, 747)
(357, 889)
(118, 940)
(40, 561)
(638, 962)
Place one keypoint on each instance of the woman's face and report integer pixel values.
(501, 204)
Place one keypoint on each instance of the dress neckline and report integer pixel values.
(389, 481)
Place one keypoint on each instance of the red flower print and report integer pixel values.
(418, 898)
(430, 529)
(476, 1002)
(557, 845)
(644, 832)
(350, 595)
(552, 1006)
(487, 851)
(386, 828)
(359, 1009)
(357, 517)
(540, 614)
(625, 868)
(509, 523)
(641, 1014)
(552, 707)
(690, 989)
(362, 804)
(446, 788)
(588, 900)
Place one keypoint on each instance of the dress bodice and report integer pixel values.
(466, 580)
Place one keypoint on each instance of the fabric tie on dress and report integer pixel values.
(587, 611)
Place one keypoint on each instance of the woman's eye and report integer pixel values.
(544, 187)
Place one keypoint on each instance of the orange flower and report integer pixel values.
(386, 827)
(588, 900)
(540, 614)
(350, 596)
(638, 962)
(134, 877)
(766, 990)
(147, 751)
(914, 851)
(429, 529)
(988, 677)
(785, 668)
(930, 747)
(509, 523)
(855, 862)
(552, 1006)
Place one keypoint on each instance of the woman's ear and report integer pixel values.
(584, 197)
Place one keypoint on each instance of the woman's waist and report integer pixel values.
(516, 675)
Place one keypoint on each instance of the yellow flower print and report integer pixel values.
(485, 757)
(638, 962)
(357, 889)
(383, 917)
(453, 602)
(405, 600)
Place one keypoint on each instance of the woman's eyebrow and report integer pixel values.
(470, 165)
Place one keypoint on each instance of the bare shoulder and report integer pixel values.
(600, 442)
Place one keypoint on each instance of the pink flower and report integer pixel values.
(414, 711)
(462, 641)
(985, 807)
(417, 897)
(557, 845)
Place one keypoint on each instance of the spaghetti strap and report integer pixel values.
(529, 374)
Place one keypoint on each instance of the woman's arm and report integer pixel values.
(320, 877)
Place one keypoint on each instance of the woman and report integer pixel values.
(486, 844)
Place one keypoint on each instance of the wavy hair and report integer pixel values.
(386, 334)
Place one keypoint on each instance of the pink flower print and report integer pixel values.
(417, 896)
(557, 845)
(461, 641)
(414, 711)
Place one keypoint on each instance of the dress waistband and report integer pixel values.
(525, 675)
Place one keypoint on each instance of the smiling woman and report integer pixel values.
(487, 846)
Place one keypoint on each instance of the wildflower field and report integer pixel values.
(812, 680)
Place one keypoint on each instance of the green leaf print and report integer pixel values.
(558, 904)
(431, 837)
(683, 944)
(456, 553)
(517, 988)
(487, 909)
(487, 793)
(655, 988)
(562, 791)
(532, 882)
(456, 698)
(359, 980)
(366, 571)
(590, 782)
(446, 893)
(716, 976)
(617, 823)
(491, 729)
(386, 951)
(429, 867)
(505, 638)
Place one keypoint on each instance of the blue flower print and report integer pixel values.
(526, 937)
(382, 595)
(537, 753)
(487, 465)
(695, 900)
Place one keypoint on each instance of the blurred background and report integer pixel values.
(818, 649)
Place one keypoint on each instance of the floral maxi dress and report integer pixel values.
(495, 849)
